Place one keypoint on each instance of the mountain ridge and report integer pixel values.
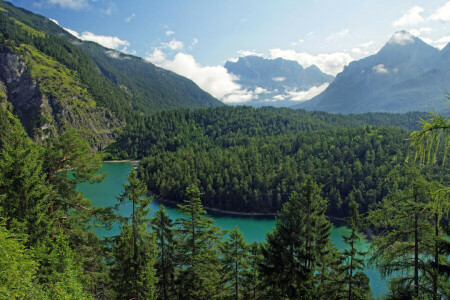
(270, 79)
(395, 79)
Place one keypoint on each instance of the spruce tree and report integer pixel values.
(291, 251)
(235, 254)
(134, 250)
(162, 226)
(198, 263)
(357, 282)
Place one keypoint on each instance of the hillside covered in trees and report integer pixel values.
(47, 232)
(250, 160)
(56, 82)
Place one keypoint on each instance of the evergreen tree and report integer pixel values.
(198, 263)
(291, 250)
(134, 250)
(252, 277)
(357, 282)
(235, 254)
(162, 226)
(404, 241)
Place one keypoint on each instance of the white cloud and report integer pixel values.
(110, 9)
(260, 90)
(442, 42)
(411, 17)
(279, 97)
(380, 69)
(72, 4)
(300, 41)
(174, 45)
(113, 53)
(401, 38)
(356, 50)
(131, 17)
(331, 63)
(249, 53)
(420, 31)
(340, 34)
(54, 21)
(279, 79)
(157, 57)
(169, 32)
(366, 45)
(111, 42)
(308, 94)
(213, 79)
(442, 13)
(194, 42)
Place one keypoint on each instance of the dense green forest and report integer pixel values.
(250, 160)
(47, 234)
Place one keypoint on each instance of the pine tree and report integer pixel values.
(134, 250)
(235, 254)
(198, 263)
(252, 277)
(291, 251)
(357, 281)
(162, 226)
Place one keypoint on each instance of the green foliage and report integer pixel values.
(162, 226)
(235, 256)
(17, 268)
(406, 246)
(134, 250)
(357, 282)
(290, 252)
(198, 241)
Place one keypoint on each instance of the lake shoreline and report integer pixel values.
(134, 162)
(230, 212)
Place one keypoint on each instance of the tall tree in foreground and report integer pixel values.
(291, 251)
(162, 226)
(199, 262)
(404, 234)
(358, 282)
(134, 250)
(235, 253)
(427, 142)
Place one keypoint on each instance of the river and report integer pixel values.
(253, 228)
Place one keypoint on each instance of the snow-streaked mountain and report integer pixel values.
(407, 74)
(277, 82)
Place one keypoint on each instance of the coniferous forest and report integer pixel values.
(375, 182)
(385, 174)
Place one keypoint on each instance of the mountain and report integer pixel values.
(275, 82)
(55, 81)
(407, 74)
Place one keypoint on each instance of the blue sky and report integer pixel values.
(195, 38)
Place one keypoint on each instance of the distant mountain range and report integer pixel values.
(275, 82)
(55, 81)
(407, 74)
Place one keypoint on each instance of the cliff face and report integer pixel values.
(47, 103)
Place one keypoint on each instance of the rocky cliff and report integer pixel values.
(48, 102)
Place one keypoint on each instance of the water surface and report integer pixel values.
(254, 228)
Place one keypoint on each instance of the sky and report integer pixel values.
(195, 38)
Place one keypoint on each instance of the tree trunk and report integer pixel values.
(436, 257)
(416, 253)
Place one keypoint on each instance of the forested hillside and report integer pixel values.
(250, 160)
(56, 82)
(47, 230)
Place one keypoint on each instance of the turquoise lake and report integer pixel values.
(254, 228)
